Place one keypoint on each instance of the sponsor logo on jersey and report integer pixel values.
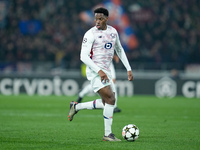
(108, 46)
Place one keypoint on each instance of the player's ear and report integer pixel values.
(106, 18)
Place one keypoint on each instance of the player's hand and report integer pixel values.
(103, 76)
(130, 75)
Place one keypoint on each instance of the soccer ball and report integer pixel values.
(130, 132)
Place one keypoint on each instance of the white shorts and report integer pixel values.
(95, 80)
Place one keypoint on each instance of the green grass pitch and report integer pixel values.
(41, 123)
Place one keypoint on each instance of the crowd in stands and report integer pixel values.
(170, 35)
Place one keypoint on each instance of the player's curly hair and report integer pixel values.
(102, 10)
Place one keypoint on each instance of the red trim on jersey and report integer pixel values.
(91, 54)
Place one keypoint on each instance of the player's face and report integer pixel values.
(101, 21)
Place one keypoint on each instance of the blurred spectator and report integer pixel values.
(167, 31)
(174, 74)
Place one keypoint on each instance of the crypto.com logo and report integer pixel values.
(165, 87)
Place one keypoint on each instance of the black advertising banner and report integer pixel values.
(56, 85)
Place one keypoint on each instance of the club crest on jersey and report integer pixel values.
(84, 40)
(112, 35)
(100, 36)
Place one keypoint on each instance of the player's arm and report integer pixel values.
(85, 51)
(116, 58)
(121, 54)
(85, 55)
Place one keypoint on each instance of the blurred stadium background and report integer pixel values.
(40, 44)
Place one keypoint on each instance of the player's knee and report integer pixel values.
(111, 100)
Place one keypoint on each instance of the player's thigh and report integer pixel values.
(107, 95)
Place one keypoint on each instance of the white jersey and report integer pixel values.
(98, 49)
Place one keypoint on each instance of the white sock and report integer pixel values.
(85, 105)
(115, 99)
(90, 105)
(108, 118)
(98, 104)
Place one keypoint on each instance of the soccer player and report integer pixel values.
(88, 88)
(97, 52)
